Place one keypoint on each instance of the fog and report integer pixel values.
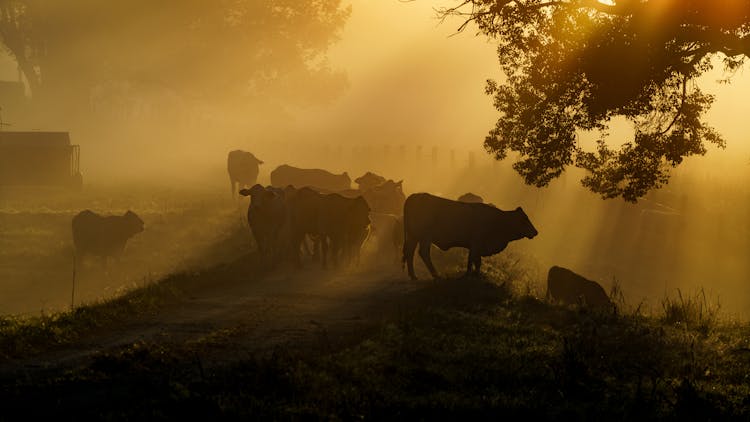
(406, 101)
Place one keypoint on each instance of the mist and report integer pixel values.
(396, 92)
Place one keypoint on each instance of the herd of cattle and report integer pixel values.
(317, 213)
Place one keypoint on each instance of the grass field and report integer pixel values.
(478, 347)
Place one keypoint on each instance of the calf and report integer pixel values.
(103, 236)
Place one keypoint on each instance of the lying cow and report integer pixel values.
(103, 236)
(286, 175)
(481, 228)
(242, 167)
(563, 285)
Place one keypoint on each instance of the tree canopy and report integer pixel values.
(222, 50)
(574, 65)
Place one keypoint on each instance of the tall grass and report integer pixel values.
(694, 311)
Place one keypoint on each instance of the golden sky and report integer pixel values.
(408, 77)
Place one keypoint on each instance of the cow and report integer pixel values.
(471, 198)
(563, 285)
(242, 167)
(387, 235)
(345, 223)
(267, 218)
(331, 220)
(369, 180)
(103, 236)
(387, 197)
(285, 175)
(304, 208)
(482, 229)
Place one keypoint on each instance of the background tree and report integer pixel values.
(226, 52)
(574, 65)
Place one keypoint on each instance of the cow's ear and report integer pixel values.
(346, 174)
(260, 161)
(399, 182)
(244, 192)
(519, 209)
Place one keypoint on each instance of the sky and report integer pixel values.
(414, 79)
(409, 76)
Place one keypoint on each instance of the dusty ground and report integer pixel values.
(237, 313)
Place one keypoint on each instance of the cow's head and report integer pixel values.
(526, 229)
(369, 180)
(470, 197)
(256, 189)
(134, 223)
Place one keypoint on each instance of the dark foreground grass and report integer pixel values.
(455, 349)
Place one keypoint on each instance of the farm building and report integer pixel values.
(39, 159)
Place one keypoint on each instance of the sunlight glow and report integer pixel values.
(607, 2)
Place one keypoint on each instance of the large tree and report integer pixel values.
(574, 65)
(217, 50)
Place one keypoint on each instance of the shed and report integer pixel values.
(36, 158)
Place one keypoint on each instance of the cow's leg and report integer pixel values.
(323, 251)
(78, 260)
(338, 253)
(478, 264)
(424, 252)
(232, 184)
(315, 252)
(474, 259)
(408, 255)
(295, 244)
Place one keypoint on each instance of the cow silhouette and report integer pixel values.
(103, 236)
(242, 167)
(567, 287)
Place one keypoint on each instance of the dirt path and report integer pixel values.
(234, 314)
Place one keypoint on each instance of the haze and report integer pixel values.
(411, 82)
